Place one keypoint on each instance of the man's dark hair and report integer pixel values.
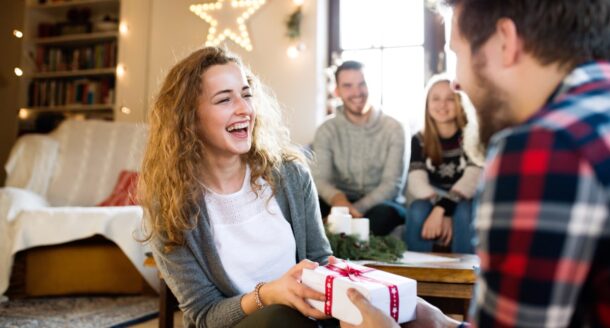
(350, 64)
(567, 32)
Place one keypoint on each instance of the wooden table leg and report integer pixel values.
(167, 306)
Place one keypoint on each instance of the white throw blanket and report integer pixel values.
(32, 223)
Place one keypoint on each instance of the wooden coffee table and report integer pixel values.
(448, 285)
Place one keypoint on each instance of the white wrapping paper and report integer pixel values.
(377, 293)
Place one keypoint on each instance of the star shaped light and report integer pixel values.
(227, 20)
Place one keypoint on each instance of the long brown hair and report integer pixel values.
(170, 188)
(432, 143)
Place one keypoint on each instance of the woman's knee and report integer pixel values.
(276, 315)
(419, 210)
(463, 212)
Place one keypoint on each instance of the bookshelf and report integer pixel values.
(70, 58)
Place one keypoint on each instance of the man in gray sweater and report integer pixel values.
(361, 156)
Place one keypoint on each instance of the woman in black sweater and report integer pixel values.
(442, 179)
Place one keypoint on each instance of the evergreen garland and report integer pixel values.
(349, 247)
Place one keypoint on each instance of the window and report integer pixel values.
(387, 36)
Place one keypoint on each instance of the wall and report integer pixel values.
(132, 87)
(11, 17)
(298, 83)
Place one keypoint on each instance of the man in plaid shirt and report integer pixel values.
(538, 75)
(534, 70)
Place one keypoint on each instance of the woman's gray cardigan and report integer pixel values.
(195, 274)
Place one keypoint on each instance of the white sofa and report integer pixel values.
(55, 180)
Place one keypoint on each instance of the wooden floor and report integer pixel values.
(178, 321)
(155, 322)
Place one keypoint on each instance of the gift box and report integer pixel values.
(394, 295)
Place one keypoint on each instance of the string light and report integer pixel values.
(120, 70)
(294, 50)
(235, 31)
(123, 28)
(18, 34)
(24, 113)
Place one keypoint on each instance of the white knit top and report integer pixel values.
(253, 239)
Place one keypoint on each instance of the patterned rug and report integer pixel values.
(85, 312)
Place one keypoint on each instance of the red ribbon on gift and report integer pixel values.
(356, 275)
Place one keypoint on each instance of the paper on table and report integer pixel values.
(415, 257)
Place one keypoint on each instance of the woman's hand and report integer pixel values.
(289, 291)
(433, 225)
(446, 231)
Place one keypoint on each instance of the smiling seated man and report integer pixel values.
(361, 156)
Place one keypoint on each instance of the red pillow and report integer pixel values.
(124, 193)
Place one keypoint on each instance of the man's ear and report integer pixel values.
(337, 91)
(512, 45)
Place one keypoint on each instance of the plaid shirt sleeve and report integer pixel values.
(543, 224)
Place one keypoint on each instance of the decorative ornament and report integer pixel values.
(293, 31)
(227, 20)
(293, 24)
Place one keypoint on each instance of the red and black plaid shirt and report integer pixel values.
(543, 217)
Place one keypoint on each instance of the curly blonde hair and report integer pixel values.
(432, 143)
(170, 189)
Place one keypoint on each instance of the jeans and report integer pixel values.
(463, 229)
(383, 217)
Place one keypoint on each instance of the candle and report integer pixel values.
(339, 210)
(340, 223)
(360, 228)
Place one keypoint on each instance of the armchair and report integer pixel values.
(54, 182)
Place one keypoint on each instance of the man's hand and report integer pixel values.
(341, 200)
(433, 226)
(371, 316)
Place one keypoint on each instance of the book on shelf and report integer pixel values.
(56, 59)
(61, 92)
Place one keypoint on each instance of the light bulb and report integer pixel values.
(292, 52)
(125, 110)
(18, 34)
(120, 70)
(123, 29)
(18, 71)
(24, 113)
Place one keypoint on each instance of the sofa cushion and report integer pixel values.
(91, 156)
(124, 193)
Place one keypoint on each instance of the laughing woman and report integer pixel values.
(232, 213)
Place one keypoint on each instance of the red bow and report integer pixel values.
(350, 272)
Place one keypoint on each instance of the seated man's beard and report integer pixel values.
(493, 116)
(491, 107)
